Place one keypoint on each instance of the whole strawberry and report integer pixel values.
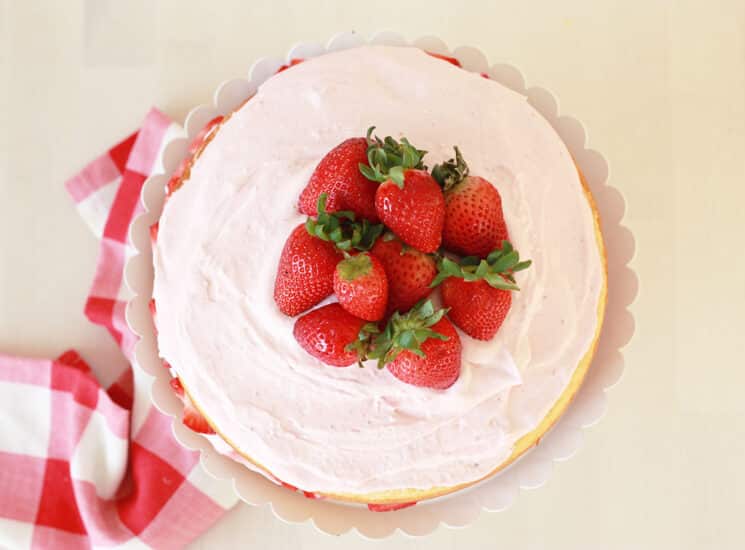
(413, 210)
(478, 292)
(476, 307)
(361, 286)
(329, 333)
(409, 272)
(409, 201)
(338, 176)
(421, 348)
(474, 221)
(439, 365)
(305, 275)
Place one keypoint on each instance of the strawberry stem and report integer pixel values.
(497, 268)
(388, 159)
(353, 267)
(451, 173)
(362, 345)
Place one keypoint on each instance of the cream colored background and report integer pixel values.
(661, 89)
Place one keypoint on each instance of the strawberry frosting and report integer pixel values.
(352, 430)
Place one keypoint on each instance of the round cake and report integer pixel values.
(360, 434)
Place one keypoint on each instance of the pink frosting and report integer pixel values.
(353, 430)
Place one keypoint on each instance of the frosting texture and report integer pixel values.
(351, 430)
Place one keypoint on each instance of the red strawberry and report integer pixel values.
(477, 308)
(327, 332)
(177, 388)
(153, 312)
(420, 347)
(414, 210)
(294, 61)
(408, 200)
(306, 272)
(389, 507)
(447, 58)
(439, 368)
(361, 286)
(478, 291)
(338, 175)
(409, 272)
(474, 221)
(199, 140)
(192, 418)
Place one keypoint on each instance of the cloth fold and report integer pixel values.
(83, 466)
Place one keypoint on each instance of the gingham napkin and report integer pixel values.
(82, 466)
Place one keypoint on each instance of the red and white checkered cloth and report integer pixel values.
(83, 466)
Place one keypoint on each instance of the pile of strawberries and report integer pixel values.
(383, 232)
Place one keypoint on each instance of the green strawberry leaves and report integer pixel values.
(497, 269)
(388, 159)
(342, 229)
(364, 341)
(451, 173)
(403, 332)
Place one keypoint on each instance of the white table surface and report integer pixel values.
(661, 89)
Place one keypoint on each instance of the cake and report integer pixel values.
(360, 434)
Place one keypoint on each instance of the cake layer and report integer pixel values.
(361, 431)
